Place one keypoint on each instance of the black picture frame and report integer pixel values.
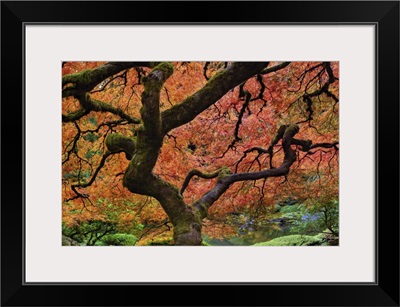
(383, 14)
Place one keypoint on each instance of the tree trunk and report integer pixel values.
(186, 220)
(187, 233)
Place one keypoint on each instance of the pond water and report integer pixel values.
(250, 237)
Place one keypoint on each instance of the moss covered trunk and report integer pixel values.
(185, 220)
(143, 150)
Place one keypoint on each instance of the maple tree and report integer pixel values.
(176, 147)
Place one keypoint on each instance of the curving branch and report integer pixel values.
(108, 81)
(86, 80)
(117, 142)
(195, 172)
(290, 156)
(274, 68)
(214, 89)
(205, 70)
(90, 104)
(241, 114)
(275, 140)
(262, 89)
(90, 182)
(307, 145)
(110, 124)
(323, 89)
(239, 122)
(74, 116)
(260, 150)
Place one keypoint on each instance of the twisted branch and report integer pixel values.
(195, 172)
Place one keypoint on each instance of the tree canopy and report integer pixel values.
(175, 151)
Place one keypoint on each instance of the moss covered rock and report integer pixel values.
(66, 241)
(161, 241)
(295, 240)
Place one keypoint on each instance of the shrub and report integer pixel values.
(119, 239)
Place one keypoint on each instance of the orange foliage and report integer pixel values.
(204, 144)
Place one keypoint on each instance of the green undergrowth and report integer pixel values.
(295, 240)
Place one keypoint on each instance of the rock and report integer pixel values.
(295, 240)
(68, 241)
(331, 239)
